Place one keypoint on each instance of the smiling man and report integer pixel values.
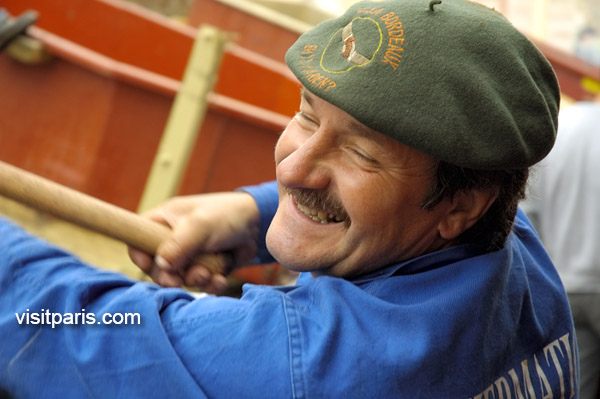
(340, 185)
(397, 193)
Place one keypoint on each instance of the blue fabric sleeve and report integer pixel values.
(181, 346)
(267, 199)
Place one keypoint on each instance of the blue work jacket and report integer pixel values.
(449, 324)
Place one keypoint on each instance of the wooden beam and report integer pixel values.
(185, 118)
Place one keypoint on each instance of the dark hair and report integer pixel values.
(488, 233)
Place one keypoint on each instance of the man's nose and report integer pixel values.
(308, 166)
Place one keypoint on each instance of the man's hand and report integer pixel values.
(209, 232)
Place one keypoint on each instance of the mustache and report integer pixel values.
(320, 200)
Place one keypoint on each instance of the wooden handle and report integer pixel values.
(81, 209)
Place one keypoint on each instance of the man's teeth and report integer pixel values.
(319, 216)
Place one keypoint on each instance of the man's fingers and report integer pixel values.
(219, 283)
(202, 273)
(165, 278)
(197, 276)
(141, 259)
(216, 264)
(180, 249)
(207, 266)
(209, 283)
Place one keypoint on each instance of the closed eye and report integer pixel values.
(364, 157)
(305, 118)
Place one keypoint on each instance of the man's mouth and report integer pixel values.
(319, 206)
(319, 216)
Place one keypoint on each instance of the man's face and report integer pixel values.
(349, 197)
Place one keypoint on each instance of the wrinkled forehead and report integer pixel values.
(310, 99)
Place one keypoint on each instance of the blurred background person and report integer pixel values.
(587, 46)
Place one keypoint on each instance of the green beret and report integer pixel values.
(453, 80)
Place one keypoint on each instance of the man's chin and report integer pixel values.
(290, 259)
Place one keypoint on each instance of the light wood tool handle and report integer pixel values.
(81, 209)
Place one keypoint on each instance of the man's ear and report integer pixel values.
(467, 208)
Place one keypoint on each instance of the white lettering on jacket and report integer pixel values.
(550, 372)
